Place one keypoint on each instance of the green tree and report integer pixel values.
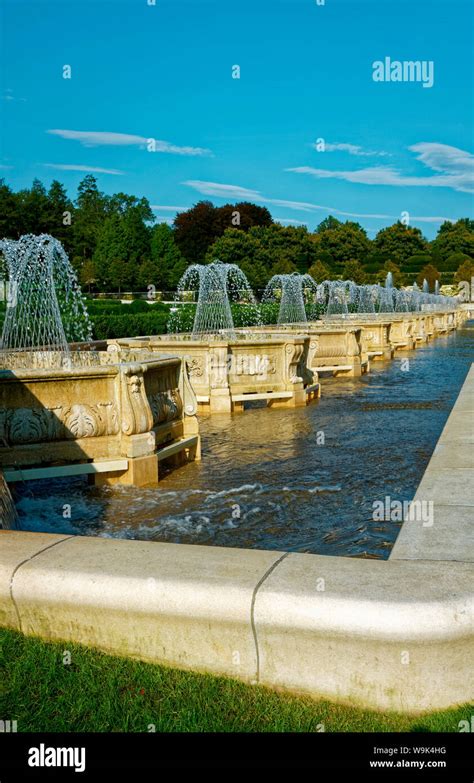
(136, 237)
(453, 238)
(239, 247)
(398, 242)
(465, 272)
(277, 243)
(89, 217)
(122, 204)
(283, 267)
(454, 261)
(34, 209)
(327, 224)
(10, 225)
(110, 254)
(60, 215)
(166, 265)
(319, 272)
(88, 275)
(344, 242)
(353, 270)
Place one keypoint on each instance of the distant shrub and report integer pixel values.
(138, 306)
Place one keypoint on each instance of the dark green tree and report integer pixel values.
(327, 224)
(453, 238)
(89, 217)
(166, 265)
(344, 242)
(10, 221)
(60, 215)
(398, 242)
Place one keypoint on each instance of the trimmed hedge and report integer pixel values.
(107, 327)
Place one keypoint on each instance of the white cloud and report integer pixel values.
(432, 219)
(77, 167)
(168, 209)
(223, 191)
(239, 192)
(454, 169)
(291, 221)
(106, 138)
(352, 149)
(10, 97)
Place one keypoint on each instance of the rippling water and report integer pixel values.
(301, 479)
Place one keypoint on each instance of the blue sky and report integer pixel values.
(164, 72)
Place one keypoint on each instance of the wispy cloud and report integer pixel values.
(352, 149)
(419, 219)
(106, 138)
(223, 191)
(454, 169)
(292, 222)
(10, 97)
(168, 208)
(77, 167)
(237, 192)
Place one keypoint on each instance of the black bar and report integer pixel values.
(143, 755)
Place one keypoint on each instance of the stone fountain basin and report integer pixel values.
(231, 368)
(101, 406)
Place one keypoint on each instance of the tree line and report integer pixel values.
(115, 244)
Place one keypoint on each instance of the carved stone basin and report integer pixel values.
(100, 407)
(227, 370)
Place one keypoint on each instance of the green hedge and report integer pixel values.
(107, 327)
(103, 303)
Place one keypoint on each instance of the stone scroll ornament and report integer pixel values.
(294, 353)
(137, 415)
(188, 394)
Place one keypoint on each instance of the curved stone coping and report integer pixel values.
(254, 336)
(89, 363)
(447, 484)
(388, 635)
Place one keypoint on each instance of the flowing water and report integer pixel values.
(302, 480)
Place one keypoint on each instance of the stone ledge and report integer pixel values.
(385, 635)
(254, 615)
(186, 606)
(448, 483)
(16, 548)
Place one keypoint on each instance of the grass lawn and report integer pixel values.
(98, 692)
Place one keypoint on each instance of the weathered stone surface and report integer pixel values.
(188, 606)
(17, 548)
